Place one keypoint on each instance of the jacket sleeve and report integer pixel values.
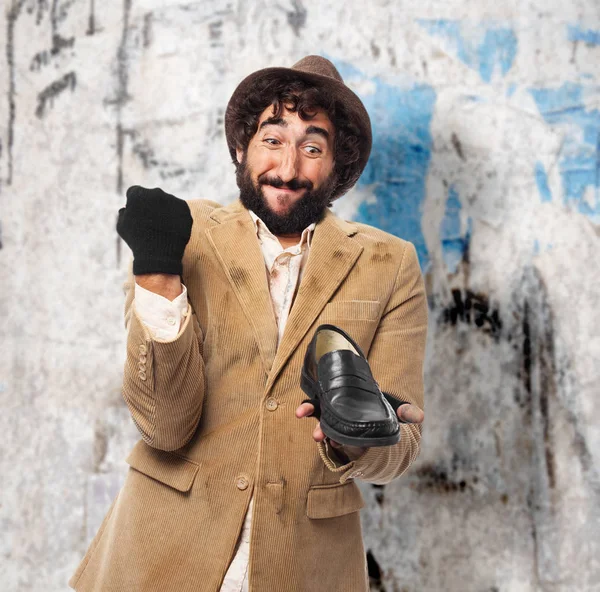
(163, 380)
(396, 358)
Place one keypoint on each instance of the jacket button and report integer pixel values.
(242, 483)
(271, 404)
(142, 375)
(143, 349)
(143, 358)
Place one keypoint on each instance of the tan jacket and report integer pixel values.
(215, 408)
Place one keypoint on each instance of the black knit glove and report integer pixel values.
(157, 226)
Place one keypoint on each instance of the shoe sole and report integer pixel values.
(308, 386)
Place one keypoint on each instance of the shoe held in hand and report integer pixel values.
(351, 408)
(157, 227)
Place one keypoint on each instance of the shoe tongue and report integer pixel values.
(343, 361)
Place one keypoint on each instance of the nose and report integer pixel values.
(288, 164)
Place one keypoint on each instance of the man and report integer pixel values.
(227, 488)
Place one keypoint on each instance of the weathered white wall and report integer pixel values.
(486, 155)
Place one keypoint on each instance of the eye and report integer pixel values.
(271, 141)
(313, 150)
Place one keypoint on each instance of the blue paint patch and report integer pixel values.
(541, 179)
(499, 47)
(536, 247)
(579, 161)
(454, 245)
(589, 36)
(496, 51)
(400, 119)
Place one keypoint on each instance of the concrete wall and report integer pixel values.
(486, 118)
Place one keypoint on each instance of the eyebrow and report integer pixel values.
(311, 129)
(274, 121)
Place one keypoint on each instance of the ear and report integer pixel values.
(239, 154)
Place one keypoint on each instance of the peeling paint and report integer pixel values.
(579, 33)
(472, 308)
(455, 241)
(47, 96)
(487, 48)
(485, 155)
(400, 156)
(297, 17)
(579, 159)
(541, 178)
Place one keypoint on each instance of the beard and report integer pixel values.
(311, 207)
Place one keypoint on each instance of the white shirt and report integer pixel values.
(163, 317)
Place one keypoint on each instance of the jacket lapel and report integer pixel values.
(332, 255)
(237, 248)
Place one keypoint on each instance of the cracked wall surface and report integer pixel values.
(486, 155)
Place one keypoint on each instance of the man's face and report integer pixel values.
(286, 175)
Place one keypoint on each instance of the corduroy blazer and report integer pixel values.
(216, 411)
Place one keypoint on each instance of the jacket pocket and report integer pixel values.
(329, 501)
(168, 468)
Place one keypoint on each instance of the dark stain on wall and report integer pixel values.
(48, 95)
(297, 18)
(147, 156)
(43, 58)
(100, 444)
(526, 356)
(457, 146)
(379, 494)
(122, 95)
(392, 56)
(538, 372)
(374, 570)
(539, 366)
(215, 31)
(375, 50)
(91, 30)
(60, 11)
(147, 29)
(145, 153)
(548, 390)
(42, 7)
(59, 43)
(473, 309)
(11, 19)
(437, 478)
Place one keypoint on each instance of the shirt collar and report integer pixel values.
(261, 229)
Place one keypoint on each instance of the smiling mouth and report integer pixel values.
(286, 189)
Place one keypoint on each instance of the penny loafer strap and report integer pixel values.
(395, 403)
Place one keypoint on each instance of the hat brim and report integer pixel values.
(343, 94)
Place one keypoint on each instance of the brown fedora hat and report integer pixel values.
(319, 72)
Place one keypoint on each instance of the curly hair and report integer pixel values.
(304, 98)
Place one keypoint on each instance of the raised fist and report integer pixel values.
(157, 227)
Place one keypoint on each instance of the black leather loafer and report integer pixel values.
(337, 378)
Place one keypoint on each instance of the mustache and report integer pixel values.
(278, 183)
